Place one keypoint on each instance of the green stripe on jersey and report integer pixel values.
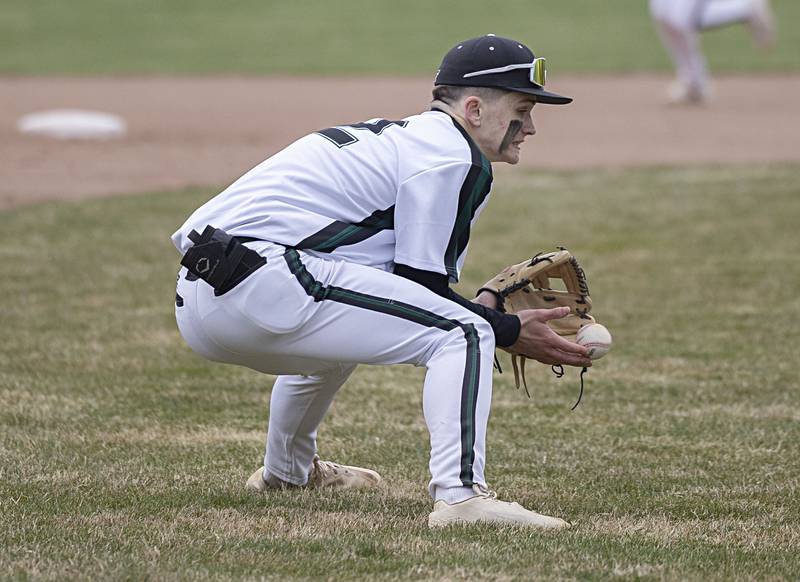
(339, 233)
(474, 190)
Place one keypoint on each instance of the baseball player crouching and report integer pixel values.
(363, 227)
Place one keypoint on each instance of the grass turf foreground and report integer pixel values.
(124, 456)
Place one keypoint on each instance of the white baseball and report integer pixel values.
(596, 338)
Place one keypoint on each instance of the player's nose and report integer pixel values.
(528, 128)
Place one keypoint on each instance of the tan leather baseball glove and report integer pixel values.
(544, 281)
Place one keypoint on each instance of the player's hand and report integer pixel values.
(536, 340)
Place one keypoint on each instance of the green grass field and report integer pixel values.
(123, 455)
(349, 36)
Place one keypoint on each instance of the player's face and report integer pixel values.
(506, 122)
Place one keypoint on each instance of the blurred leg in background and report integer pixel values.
(679, 24)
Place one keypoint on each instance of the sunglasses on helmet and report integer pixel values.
(537, 75)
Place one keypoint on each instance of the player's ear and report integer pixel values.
(473, 110)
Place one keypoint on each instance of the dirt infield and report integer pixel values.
(207, 131)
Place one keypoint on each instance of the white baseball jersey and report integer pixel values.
(373, 193)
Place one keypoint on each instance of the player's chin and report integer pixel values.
(511, 154)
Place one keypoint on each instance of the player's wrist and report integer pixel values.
(508, 331)
(490, 298)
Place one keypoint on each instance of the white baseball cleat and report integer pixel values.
(323, 474)
(680, 93)
(484, 507)
(762, 24)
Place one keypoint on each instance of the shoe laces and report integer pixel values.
(484, 491)
(324, 469)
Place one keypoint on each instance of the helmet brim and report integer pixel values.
(542, 96)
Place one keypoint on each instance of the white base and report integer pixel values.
(72, 124)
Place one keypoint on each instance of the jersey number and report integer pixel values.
(341, 137)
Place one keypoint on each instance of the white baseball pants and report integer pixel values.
(312, 320)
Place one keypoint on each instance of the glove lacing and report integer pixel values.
(519, 371)
(558, 370)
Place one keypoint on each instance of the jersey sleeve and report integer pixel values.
(434, 213)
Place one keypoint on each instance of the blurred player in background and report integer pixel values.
(679, 23)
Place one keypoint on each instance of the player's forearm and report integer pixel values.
(506, 327)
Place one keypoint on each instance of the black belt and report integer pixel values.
(221, 260)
